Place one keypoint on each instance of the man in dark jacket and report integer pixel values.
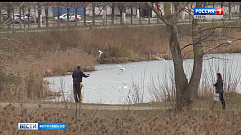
(77, 79)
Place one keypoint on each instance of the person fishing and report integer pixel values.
(219, 89)
(77, 79)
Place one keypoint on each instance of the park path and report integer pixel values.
(82, 106)
(91, 106)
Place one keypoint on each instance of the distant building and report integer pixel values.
(63, 10)
(99, 11)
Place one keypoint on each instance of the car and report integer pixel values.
(63, 17)
(11, 20)
(4, 17)
(31, 18)
(15, 19)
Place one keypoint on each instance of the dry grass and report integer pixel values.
(98, 122)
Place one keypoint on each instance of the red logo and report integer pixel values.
(159, 4)
(219, 11)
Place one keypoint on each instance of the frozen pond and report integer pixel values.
(109, 85)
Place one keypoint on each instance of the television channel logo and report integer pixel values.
(208, 13)
(42, 126)
(27, 126)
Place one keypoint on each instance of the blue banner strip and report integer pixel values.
(52, 126)
(204, 11)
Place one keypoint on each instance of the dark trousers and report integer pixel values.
(77, 92)
(222, 99)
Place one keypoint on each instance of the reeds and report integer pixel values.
(114, 122)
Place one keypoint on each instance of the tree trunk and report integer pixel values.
(28, 17)
(229, 11)
(198, 57)
(58, 16)
(75, 10)
(39, 13)
(93, 16)
(14, 19)
(0, 14)
(20, 15)
(35, 16)
(149, 15)
(140, 14)
(121, 17)
(24, 21)
(131, 15)
(113, 14)
(180, 77)
(85, 15)
(47, 16)
(9, 16)
(176, 8)
(157, 19)
(68, 16)
(239, 11)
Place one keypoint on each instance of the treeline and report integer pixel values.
(137, 9)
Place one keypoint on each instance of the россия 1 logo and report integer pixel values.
(208, 11)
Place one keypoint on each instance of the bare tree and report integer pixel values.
(76, 5)
(46, 9)
(59, 6)
(140, 7)
(121, 7)
(149, 14)
(7, 7)
(59, 11)
(1, 4)
(112, 13)
(39, 14)
(131, 14)
(29, 16)
(93, 13)
(85, 5)
(68, 6)
(157, 18)
(185, 92)
(13, 16)
(240, 11)
(229, 10)
(23, 13)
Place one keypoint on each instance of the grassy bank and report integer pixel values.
(94, 121)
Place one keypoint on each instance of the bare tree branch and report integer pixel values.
(221, 45)
(10, 18)
(179, 10)
(220, 27)
(159, 13)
